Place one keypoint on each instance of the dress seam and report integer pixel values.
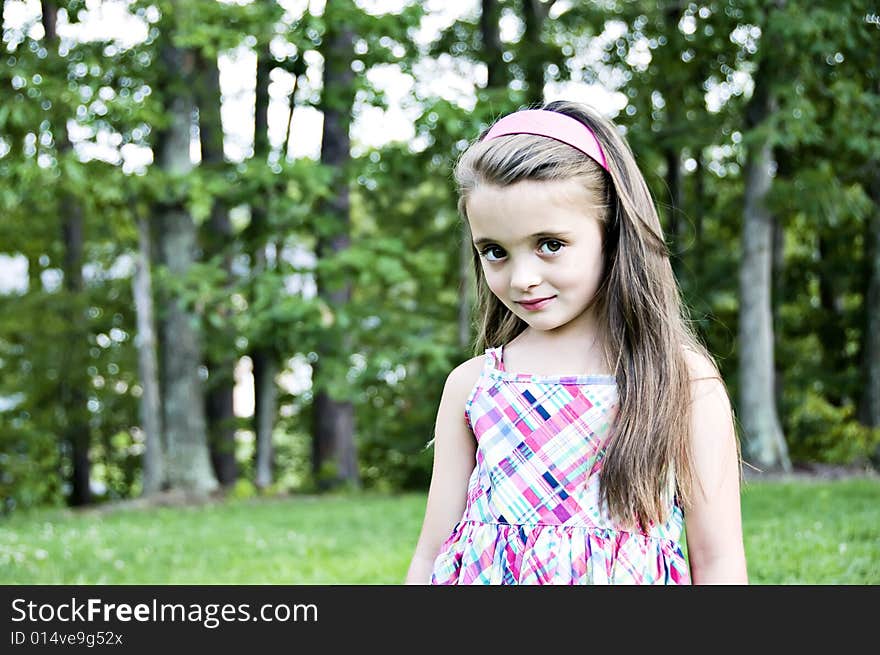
(593, 380)
(592, 528)
(495, 361)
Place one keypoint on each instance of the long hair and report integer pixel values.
(638, 307)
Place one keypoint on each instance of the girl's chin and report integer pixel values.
(539, 321)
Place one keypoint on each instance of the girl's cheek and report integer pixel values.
(493, 282)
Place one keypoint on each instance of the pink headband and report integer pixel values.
(554, 125)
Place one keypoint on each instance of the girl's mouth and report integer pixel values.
(537, 304)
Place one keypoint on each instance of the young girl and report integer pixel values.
(594, 422)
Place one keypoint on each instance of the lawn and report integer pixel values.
(795, 532)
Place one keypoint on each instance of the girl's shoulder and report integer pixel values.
(464, 376)
(710, 405)
(700, 365)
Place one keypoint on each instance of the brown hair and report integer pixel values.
(638, 306)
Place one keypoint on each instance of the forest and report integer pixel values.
(231, 259)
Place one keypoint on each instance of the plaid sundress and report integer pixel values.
(533, 514)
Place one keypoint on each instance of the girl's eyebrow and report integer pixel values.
(553, 234)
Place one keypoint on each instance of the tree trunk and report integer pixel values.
(763, 439)
(148, 365)
(869, 403)
(261, 106)
(832, 338)
(784, 171)
(263, 356)
(265, 368)
(217, 242)
(74, 380)
(334, 456)
(700, 208)
(220, 417)
(298, 70)
(533, 13)
(188, 463)
(673, 183)
(35, 282)
(492, 49)
(777, 290)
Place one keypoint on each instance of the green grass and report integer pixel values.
(795, 532)
(812, 532)
(303, 540)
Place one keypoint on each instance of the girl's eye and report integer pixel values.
(552, 248)
(558, 245)
(485, 253)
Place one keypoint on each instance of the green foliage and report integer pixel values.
(28, 464)
(293, 454)
(396, 418)
(821, 431)
(389, 348)
(242, 490)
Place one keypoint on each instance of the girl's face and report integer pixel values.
(540, 240)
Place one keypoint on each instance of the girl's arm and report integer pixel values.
(713, 519)
(454, 459)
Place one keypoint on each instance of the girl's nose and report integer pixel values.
(524, 276)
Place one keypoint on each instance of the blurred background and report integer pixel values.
(230, 260)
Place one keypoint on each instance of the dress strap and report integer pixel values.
(493, 360)
(490, 360)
